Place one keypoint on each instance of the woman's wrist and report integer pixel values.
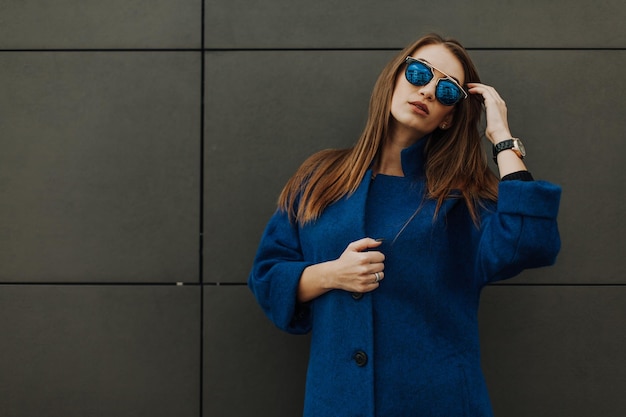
(509, 162)
(499, 136)
(314, 281)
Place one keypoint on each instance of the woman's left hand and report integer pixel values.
(498, 127)
(495, 108)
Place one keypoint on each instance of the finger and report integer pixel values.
(492, 100)
(374, 257)
(364, 244)
(482, 88)
(367, 287)
(370, 282)
(371, 269)
(376, 278)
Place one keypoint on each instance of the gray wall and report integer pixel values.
(142, 147)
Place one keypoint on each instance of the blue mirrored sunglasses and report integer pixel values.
(447, 91)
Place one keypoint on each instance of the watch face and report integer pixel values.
(520, 146)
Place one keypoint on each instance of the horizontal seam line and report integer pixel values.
(78, 50)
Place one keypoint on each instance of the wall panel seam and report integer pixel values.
(288, 49)
(398, 49)
(201, 209)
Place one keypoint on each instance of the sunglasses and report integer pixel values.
(447, 91)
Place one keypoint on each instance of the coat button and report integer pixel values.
(360, 358)
(357, 295)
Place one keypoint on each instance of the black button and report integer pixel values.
(357, 295)
(360, 358)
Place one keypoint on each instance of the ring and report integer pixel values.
(377, 275)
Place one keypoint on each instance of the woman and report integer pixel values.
(381, 250)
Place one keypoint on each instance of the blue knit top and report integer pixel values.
(393, 214)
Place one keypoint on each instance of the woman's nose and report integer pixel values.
(428, 90)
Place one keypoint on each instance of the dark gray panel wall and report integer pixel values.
(93, 24)
(99, 350)
(99, 168)
(105, 109)
(555, 351)
(391, 24)
(250, 367)
(100, 144)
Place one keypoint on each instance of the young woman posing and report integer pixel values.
(382, 250)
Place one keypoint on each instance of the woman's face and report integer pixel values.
(414, 109)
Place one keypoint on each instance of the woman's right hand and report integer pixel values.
(355, 270)
(358, 269)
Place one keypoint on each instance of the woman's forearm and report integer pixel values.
(314, 282)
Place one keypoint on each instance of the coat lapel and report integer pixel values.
(340, 224)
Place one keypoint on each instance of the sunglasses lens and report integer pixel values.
(448, 93)
(417, 73)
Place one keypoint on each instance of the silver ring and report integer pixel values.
(377, 275)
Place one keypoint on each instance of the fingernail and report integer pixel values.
(380, 239)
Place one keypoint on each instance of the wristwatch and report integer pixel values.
(514, 144)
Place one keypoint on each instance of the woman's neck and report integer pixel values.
(390, 161)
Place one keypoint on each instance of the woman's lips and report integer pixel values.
(419, 107)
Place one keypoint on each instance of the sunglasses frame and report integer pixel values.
(409, 60)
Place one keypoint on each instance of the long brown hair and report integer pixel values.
(455, 158)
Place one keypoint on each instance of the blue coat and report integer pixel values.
(433, 368)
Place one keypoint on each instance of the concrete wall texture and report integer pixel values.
(143, 145)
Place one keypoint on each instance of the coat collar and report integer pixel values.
(345, 219)
(413, 159)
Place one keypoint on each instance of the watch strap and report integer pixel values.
(502, 146)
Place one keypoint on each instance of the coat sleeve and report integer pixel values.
(522, 232)
(276, 273)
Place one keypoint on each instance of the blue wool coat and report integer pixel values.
(432, 368)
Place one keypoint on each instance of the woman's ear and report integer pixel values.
(446, 122)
